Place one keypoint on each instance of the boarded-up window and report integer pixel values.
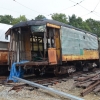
(4, 45)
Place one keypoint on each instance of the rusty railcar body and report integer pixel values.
(52, 46)
(4, 45)
(4, 57)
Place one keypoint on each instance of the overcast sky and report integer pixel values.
(31, 8)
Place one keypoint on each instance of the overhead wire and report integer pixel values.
(72, 5)
(79, 5)
(96, 5)
(69, 7)
(90, 13)
(15, 11)
(93, 11)
(61, 10)
(23, 6)
(86, 14)
(98, 14)
(28, 7)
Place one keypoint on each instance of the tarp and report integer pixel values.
(3, 29)
(18, 72)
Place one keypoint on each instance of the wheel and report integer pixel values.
(57, 71)
(37, 72)
(79, 66)
(4, 70)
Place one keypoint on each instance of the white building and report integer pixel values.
(3, 41)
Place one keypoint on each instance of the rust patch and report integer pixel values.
(52, 56)
(3, 57)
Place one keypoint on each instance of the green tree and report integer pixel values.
(79, 23)
(60, 17)
(72, 20)
(94, 26)
(39, 17)
(19, 19)
(86, 27)
(7, 19)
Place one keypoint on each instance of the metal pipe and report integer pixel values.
(62, 94)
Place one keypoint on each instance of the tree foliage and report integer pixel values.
(60, 17)
(19, 19)
(8, 19)
(90, 25)
(79, 23)
(39, 17)
(94, 26)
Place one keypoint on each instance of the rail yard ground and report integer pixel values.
(72, 85)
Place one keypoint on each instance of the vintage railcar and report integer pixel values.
(52, 46)
(4, 45)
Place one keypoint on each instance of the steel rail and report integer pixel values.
(60, 93)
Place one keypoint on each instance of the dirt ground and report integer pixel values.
(27, 93)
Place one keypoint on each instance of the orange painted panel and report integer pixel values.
(3, 57)
(52, 56)
(88, 55)
(58, 46)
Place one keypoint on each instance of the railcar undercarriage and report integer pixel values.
(43, 67)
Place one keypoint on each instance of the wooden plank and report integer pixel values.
(33, 63)
(85, 84)
(89, 89)
(27, 46)
(85, 78)
(53, 26)
(97, 89)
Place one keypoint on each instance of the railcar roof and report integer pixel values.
(44, 22)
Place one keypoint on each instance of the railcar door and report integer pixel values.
(54, 46)
(58, 45)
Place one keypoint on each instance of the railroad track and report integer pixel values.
(50, 81)
(46, 81)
